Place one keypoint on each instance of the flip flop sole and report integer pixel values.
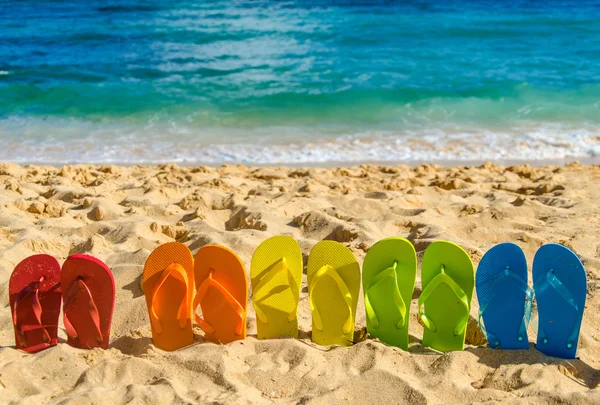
(327, 298)
(228, 270)
(381, 256)
(101, 284)
(281, 302)
(558, 324)
(30, 270)
(170, 296)
(443, 307)
(503, 300)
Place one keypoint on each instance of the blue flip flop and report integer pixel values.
(504, 296)
(560, 285)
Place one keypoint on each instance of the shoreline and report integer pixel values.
(589, 161)
(120, 214)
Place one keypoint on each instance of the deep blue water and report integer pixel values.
(298, 81)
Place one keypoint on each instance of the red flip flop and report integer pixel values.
(88, 288)
(35, 299)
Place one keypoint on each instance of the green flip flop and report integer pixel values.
(447, 278)
(389, 273)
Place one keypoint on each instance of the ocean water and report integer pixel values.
(298, 82)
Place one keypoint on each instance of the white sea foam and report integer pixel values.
(62, 142)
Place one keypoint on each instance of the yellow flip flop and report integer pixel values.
(168, 281)
(276, 276)
(333, 287)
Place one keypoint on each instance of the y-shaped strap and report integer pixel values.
(31, 289)
(443, 278)
(522, 285)
(177, 272)
(389, 275)
(260, 294)
(549, 280)
(239, 310)
(79, 286)
(329, 271)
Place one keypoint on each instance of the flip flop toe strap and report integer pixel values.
(521, 285)
(443, 278)
(33, 291)
(261, 294)
(550, 281)
(79, 286)
(389, 275)
(331, 272)
(178, 273)
(237, 307)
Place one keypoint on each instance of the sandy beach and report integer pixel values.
(120, 214)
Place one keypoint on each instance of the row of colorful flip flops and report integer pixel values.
(84, 286)
(176, 284)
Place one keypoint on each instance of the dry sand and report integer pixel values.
(120, 214)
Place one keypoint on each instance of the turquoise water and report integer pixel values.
(298, 81)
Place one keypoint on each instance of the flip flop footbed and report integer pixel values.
(333, 277)
(222, 293)
(35, 295)
(503, 296)
(276, 276)
(389, 275)
(168, 281)
(445, 305)
(560, 289)
(88, 289)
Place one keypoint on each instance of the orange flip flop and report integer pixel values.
(222, 294)
(35, 298)
(168, 282)
(88, 289)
